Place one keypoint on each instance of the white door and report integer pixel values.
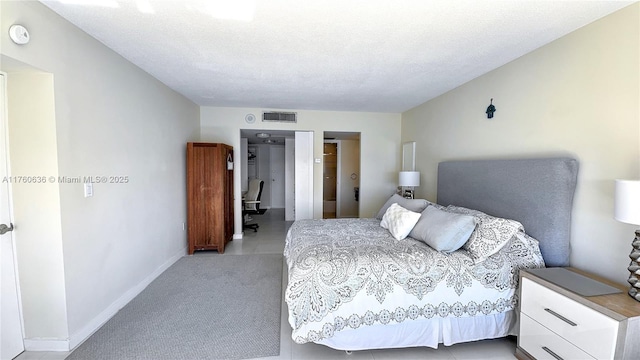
(277, 176)
(304, 175)
(10, 319)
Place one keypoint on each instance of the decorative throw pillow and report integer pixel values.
(490, 235)
(416, 205)
(442, 230)
(399, 221)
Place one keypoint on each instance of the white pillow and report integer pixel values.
(399, 221)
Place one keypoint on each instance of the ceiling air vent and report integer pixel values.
(289, 117)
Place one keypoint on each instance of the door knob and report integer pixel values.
(4, 228)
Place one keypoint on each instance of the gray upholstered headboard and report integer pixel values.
(536, 192)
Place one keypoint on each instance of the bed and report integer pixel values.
(352, 286)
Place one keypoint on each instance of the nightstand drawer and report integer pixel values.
(541, 343)
(585, 328)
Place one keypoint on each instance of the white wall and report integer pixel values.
(289, 179)
(111, 119)
(244, 169)
(577, 96)
(380, 144)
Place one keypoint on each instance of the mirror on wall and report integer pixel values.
(409, 156)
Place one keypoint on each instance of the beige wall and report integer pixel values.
(576, 96)
(111, 119)
(32, 131)
(380, 146)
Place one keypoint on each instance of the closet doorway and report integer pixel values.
(341, 175)
(283, 159)
(263, 157)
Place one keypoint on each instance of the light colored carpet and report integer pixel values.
(206, 306)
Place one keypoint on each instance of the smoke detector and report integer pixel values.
(19, 34)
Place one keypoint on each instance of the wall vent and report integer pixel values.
(288, 117)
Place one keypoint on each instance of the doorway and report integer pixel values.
(341, 175)
(263, 157)
(283, 159)
(330, 179)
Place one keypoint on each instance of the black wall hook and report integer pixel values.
(490, 110)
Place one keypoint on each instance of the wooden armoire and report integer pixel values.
(209, 196)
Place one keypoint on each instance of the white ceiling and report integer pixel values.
(365, 55)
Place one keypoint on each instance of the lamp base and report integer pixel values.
(408, 194)
(634, 268)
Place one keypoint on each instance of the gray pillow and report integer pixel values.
(415, 205)
(443, 231)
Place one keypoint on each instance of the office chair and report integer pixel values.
(251, 203)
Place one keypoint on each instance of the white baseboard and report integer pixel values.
(46, 345)
(238, 236)
(95, 324)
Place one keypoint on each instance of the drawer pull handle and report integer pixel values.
(560, 317)
(552, 353)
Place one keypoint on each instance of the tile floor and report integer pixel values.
(269, 239)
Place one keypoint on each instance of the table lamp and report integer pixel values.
(627, 210)
(408, 179)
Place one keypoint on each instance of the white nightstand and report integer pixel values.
(556, 323)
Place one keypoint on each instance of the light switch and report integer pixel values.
(88, 189)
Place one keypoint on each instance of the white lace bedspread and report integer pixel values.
(349, 273)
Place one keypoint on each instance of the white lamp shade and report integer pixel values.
(627, 201)
(409, 178)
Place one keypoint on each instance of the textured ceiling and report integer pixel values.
(370, 55)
